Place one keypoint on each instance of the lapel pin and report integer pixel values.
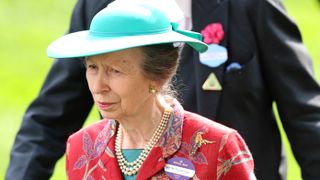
(198, 142)
(212, 83)
(216, 54)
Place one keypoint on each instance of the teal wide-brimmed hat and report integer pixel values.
(121, 26)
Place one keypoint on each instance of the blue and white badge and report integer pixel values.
(214, 56)
(179, 168)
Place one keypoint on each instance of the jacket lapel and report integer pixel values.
(152, 165)
(109, 163)
(205, 13)
(168, 144)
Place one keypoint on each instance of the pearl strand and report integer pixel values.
(131, 168)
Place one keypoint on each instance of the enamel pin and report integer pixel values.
(214, 56)
(212, 83)
(198, 142)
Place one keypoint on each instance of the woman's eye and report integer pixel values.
(91, 66)
(115, 71)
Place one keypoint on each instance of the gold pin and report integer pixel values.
(199, 141)
(212, 83)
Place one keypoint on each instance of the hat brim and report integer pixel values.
(81, 44)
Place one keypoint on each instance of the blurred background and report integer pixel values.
(26, 29)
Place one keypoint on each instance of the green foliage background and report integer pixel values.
(27, 27)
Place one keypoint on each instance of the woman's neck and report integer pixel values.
(138, 130)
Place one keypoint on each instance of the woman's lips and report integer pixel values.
(104, 105)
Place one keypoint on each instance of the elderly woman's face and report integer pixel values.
(118, 87)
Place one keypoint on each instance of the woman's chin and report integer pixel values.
(108, 115)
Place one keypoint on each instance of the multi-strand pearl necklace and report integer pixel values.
(131, 168)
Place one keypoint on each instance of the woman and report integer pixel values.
(145, 134)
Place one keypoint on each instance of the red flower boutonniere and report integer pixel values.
(213, 33)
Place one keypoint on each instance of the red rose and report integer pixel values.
(213, 33)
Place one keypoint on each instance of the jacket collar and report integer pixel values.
(167, 145)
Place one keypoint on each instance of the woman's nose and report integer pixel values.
(100, 84)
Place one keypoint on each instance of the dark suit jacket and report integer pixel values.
(275, 67)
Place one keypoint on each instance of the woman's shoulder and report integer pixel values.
(235, 159)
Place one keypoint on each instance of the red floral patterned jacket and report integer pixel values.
(217, 152)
